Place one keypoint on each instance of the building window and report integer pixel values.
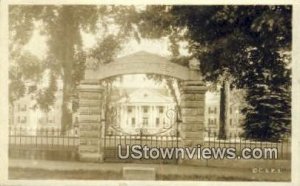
(212, 121)
(51, 120)
(212, 110)
(129, 109)
(161, 110)
(145, 121)
(230, 122)
(24, 120)
(240, 121)
(19, 119)
(132, 122)
(22, 108)
(157, 121)
(145, 109)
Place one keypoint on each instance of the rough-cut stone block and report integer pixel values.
(138, 173)
(91, 127)
(199, 89)
(94, 82)
(193, 83)
(90, 103)
(197, 135)
(92, 141)
(192, 104)
(89, 111)
(192, 97)
(192, 127)
(89, 123)
(90, 88)
(90, 96)
(89, 134)
(89, 118)
(192, 111)
(192, 119)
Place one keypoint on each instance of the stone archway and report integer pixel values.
(91, 113)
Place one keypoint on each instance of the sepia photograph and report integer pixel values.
(150, 92)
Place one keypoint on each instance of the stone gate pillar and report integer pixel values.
(91, 126)
(192, 109)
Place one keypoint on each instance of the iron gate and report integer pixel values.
(116, 139)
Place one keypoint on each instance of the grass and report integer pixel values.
(41, 174)
(31, 174)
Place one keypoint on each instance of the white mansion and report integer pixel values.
(148, 109)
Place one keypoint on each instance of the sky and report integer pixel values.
(37, 45)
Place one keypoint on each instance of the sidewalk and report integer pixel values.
(166, 171)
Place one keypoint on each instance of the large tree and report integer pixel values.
(241, 45)
(63, 27)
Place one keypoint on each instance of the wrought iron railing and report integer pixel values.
(50, 139)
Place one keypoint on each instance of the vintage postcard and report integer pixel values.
(181, 93)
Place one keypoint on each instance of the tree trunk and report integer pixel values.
(67, 56)
(12, 114)
(108, 111)
(173, 93)
(66, 111)
(224, 103)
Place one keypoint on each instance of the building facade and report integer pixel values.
(235, 117)
(24, 114)
(145, 109)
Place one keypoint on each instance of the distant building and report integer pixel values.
(24, 114)
(145, 109)
(235, 117)
(212, 112)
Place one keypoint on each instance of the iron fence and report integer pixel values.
(283, 146)
(111, 145)
(43, 138)
(43, 143)
(39, 143)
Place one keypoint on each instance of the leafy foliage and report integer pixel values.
(244, 42)
(24, 68)
(106, 49)
(63, 27)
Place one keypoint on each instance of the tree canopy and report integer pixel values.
(63, 27)
(246, 43)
